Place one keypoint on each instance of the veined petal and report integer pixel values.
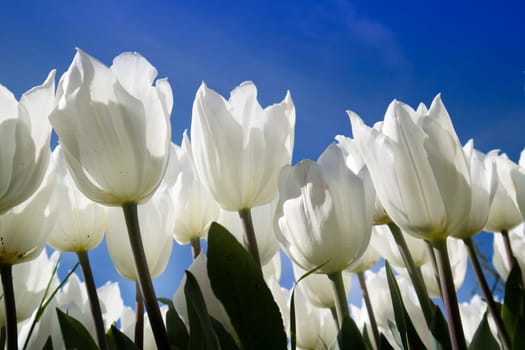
(116, 143)
(134, 73)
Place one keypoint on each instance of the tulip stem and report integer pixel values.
(94, 303)
(371, 316)
(415, 274)
(144, 278)
(6, 272)
(508, 248)
(249, 234)
(450, 300)
(2, 338)
(341, 303)
(195, 247)
(482, 282)
(139, 317)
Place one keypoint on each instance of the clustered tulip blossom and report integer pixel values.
(403, 193)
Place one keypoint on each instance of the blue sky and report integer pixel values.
(332, 56)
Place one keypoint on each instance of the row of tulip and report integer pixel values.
(405, 190)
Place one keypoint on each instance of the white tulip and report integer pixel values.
(24, 229)
(114, 127)
(484, 183)
(324, 214)
(315, 327)
(504, 213)
(193, 205)
(418, 168)
(80, 222)
(25, 132)
(239, 147)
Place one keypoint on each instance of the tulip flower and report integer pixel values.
(418, 168)
(193, 205)
(25, 132)
(315, 328)
(324, 217)
(239, 148)
(157, 221)
(324, 213)
(80, 223)
(354, 161)
(422, 179)
(25, 228)
(504, 213)
(114, 129)
(484, 182)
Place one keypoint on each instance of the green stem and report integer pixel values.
(195, 247)
(96, 312)
(341, 303)
(450, 300)
(139, 317)
(2, 338)
(249, 234)
(486, 293)
(6, 272)
(414, 273)
(144, 278)
(508, 248)
(369, 308)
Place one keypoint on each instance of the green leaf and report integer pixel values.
(513, 309)
(49, 344)
(407, 332)
(74, 334)
(483, 338)
(119, 341)
(439, 336)
(225, 338)
(384, 344)
(177, 332)
(239, 284)
(202, 334)
(348, 337)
